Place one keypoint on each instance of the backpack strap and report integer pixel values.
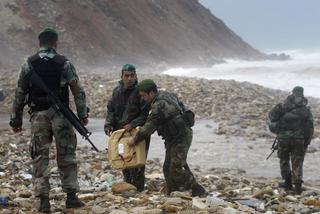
(60, 59)
(33, 58)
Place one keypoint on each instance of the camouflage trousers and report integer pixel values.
(176, 171)
(43, 130)
(291, 150)
(135, 176)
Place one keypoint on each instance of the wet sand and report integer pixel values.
(209, 150)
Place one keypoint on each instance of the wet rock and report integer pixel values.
(88, 196)
(291, 198)
(152, 211)
(171, 208)
(229, 210)
(312, 202)
(23, 202)
(183, 195)
(118, 212)
(98, 210)
(24, 193)
(122, 186)
(265, 191)
(198, 203)
(138, 210)
(173, 201)
(128, 194)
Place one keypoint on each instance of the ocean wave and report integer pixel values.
(303, 69)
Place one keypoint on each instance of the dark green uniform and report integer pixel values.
(166, 118)
(294, 135)
(43, 127)
(126, 107)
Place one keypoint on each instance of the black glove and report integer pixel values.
(15, 122)
(108, 130)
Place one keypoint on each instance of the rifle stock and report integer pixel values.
(274, 147)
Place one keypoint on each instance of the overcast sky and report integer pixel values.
(271, 24)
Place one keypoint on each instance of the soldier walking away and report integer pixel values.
(292, 121)
(166, 116)
(126, 110)
(58, 74)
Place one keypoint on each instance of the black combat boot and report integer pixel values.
(198, 190)
(73, 201)
(44, 204)
(287, 184)
(297, 189)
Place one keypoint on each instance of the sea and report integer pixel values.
(303, 69)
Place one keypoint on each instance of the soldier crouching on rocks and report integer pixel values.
(58, 74)
(293, 124)
(166, 117)
(126, 110)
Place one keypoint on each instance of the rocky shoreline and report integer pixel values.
(239, 109)
(232, 190)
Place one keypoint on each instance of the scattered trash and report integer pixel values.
(3, 200)
(26, 176)
(252, 202)
(212, 199)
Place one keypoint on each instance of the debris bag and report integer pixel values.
(123, 156)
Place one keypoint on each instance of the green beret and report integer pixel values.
(298, 90)
(146, 85)
(48, 30)
(128, 67)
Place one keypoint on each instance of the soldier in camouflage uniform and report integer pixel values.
(166, 117)
(294, 135)
(126, 110)
(58, 74)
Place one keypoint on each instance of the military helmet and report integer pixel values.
(128, 67)
(47, 30)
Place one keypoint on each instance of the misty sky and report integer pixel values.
(271, 24)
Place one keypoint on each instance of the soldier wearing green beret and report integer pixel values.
(59, 75)
(126, 110)
(166, 116)
(294, 122)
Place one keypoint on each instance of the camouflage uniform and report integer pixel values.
(126, 107)
(43, 127)
(294, 136)
(165, 117)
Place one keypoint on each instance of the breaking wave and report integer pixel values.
(303, 69)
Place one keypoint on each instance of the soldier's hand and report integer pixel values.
(108, 131)
(84, 121)
(128, 127)
(131, 142)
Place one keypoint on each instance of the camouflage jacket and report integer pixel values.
(296, 121)
(69, 76)
(165, 117)
(125, 107)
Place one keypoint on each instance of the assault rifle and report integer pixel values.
(57, 105)
(274, 147)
